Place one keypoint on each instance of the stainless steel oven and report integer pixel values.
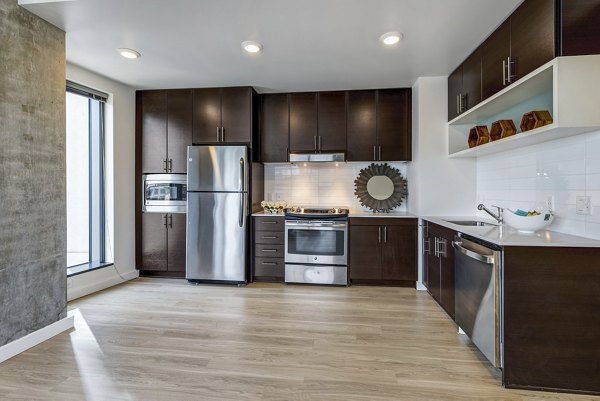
(164, 193)
(316, 247)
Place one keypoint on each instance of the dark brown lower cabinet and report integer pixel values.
(552, 319)
(163, 245)
(268, 248)
(383, 251)
(438, 257)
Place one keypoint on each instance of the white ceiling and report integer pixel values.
(308, 44)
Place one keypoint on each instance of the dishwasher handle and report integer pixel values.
(489, 259)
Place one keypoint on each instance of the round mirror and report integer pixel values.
(380, 187)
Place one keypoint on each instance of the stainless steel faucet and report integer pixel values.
(498, 217)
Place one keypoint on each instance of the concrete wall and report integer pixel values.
(120, 184)
(32, 173)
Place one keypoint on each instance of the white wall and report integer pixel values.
(524, 178)
(120, 185)
(319, 184)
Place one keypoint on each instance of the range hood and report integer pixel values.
(317, 157)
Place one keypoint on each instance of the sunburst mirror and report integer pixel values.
(380, 187)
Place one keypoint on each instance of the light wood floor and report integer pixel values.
(155, 339)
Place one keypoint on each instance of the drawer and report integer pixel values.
(268, 223)
(268, 250)
(269, 237)
(383, 221)
(269, 267)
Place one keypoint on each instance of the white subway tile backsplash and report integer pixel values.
(319, 184)
(526, 177)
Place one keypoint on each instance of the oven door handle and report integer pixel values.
(316, 226)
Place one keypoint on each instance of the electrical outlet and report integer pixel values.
(583, 205)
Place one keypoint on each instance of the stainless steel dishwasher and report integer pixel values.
(478, 297)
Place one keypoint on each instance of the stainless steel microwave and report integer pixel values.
(164, 193)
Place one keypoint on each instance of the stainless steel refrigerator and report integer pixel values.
(217, 211)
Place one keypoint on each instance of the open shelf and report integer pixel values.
(568, 87)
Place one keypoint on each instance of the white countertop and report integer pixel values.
(507, 236)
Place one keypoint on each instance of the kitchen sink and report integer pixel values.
(472, 223)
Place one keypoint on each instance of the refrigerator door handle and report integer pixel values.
(241, 222)
(242, 174)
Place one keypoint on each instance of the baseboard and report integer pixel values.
(88, 283)
(37, 337)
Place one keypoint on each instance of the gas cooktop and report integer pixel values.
(317, 212)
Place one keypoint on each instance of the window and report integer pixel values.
(85, 178)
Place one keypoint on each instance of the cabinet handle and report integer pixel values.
(269, 237)
(319, 142)
(379, 152)
(385, 234)
(374, 153)
(269, 250)
(170, 165)
(436, 247)
(164, 220)
(316, 143)
(379, 234)
(171, 220)
(442, 247)
(218, 134)
(503, 72)
(165, 165)
(426, 245)
(269, 222)
(268, 263)
(222, 134)
(458, 104)
(510, 75)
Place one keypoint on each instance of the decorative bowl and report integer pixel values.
(528, 224)
(273, 207)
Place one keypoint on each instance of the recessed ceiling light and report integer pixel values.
(129, 53)
(251, 46)
(391, 38)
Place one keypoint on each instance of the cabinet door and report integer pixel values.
(447, 275)
(275, 128)
(236, 114)
(154, 242)
(494, 51)
(365, 252)
(394, 134)
(471, 81)
(399, 252)
(455, 85)
(433, 273)
(362, 128)
(303, 122)
(176, 242)
(531, 36)
(179, 128)
(580, 27)
(332, 121)
(154, 131)
(207, 115)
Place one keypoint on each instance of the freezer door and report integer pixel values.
(217, 168)
(216, 236)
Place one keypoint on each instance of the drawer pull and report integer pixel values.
(269, 237)
(269, 222)
(269, 250)
(268, 263)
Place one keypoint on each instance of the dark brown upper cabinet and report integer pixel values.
(580, 27)
(223, 115)
(495, 54)
(274, 128)
(166, 130)
(394, 136)
(362, 126)
(331, 121)
(532, 42)
(464, 86)
(379, 125)
(303, 122)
